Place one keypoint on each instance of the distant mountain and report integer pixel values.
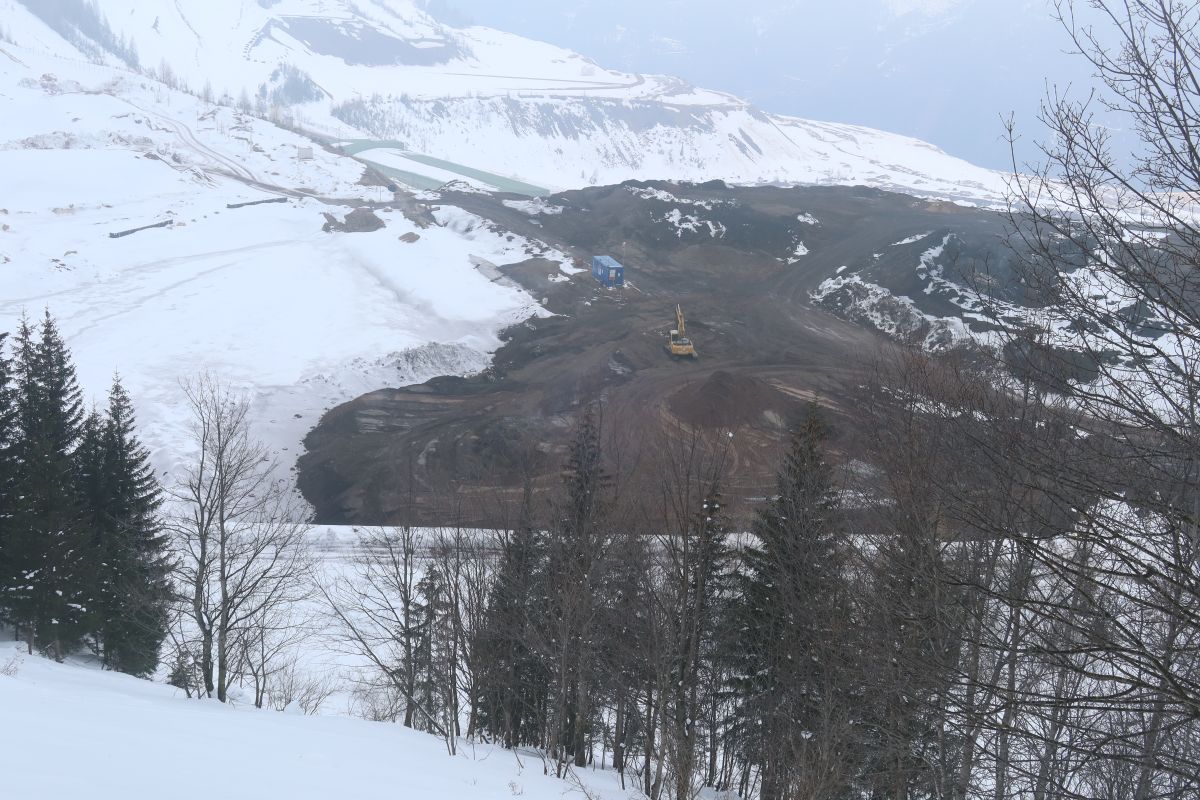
(945, 71)
(486, 100)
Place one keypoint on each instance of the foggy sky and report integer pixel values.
(946, 71)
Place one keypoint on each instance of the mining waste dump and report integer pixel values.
(788, 293)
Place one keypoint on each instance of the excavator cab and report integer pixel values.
(678, 345)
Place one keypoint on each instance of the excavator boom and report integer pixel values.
(678, 345)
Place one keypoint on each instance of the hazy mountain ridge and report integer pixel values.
(871, 63)
(494, 101)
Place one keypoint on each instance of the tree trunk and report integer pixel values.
(223, 665)
(618, 759)
(206, 660)
(651, 723)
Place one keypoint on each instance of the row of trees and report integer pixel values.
(82, 553)
(810, 657)
(95, 554)
(656, 642)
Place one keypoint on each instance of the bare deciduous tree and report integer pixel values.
(1112, 244)
(378, 611)
(239, 542)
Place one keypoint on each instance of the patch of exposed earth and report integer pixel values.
(786, 292)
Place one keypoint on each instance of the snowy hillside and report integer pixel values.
(56, 715)
(259, 295)
(481, 99)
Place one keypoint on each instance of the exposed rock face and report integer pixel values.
(360, 220)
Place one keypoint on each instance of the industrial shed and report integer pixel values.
(608, 271)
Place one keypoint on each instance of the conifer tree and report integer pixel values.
(433, 649)
(8, 469)
(625, 662)
(698, 564)
(17, 554)
(128, 546)
(89, 461)
(47, 578)
(515, 682)
(578, 566)
(792, 600)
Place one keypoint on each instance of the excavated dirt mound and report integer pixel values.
(725, 400)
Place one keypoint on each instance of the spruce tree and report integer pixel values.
(8, 470)
(793, 599)
(578, 564)
(127, 545)
(48, 575)
(432, 657)
(89, 461)
(699, 571)
(515, 680)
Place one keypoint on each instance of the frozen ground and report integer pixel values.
(160, 744)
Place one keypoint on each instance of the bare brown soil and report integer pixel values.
(726, 401)
(462, 450)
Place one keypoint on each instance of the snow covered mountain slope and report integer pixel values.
(258, 295)
(492, 101)
(58, 714)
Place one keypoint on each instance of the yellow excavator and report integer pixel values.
(678, 345)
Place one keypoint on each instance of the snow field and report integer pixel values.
(259, 296)
(162, 745)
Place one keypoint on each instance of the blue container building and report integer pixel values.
(608, 271)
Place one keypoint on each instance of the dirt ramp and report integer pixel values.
(727, 400)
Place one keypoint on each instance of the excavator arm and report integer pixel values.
(678, 345)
